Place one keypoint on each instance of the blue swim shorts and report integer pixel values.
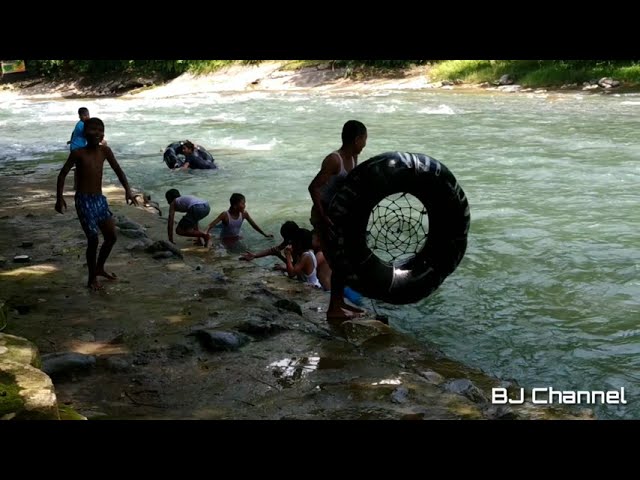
(92, 209)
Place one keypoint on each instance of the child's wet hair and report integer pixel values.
(189, 145)
(303, 239)
(288, 231)
(171, 195)
(236, 198)
(83, 111)
(94, 121)
(351, 130)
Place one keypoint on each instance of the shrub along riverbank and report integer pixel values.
(528, 73)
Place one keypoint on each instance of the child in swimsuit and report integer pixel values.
(232, 221)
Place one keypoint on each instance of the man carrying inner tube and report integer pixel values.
(326, 183)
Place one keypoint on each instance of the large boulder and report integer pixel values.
(25, 391)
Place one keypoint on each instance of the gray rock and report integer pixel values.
(18, 349)
(64, 364)
(220, 277)
(220, 340)
(131, 233)
(500, 412)
(30, 396)
(259, 327)
(164, 245)
(87, 337)
(465, 387)
(285, 304)
(117, 364)
(360, 331)
(400, 395)
(432, 377)
(505, 80)
(179, 350)
(608, 82)
(126, 224)
(141, 245)
(214, 292)
(162, 255)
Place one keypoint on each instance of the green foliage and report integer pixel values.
(201, 67)
(531, 73)
(10, 400)
(537, 73)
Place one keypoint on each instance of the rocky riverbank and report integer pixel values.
(194, 333)
(275, 76)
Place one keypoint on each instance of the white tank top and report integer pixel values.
(232, 228)
(331, 187)
(312, 278)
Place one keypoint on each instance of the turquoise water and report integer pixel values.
(549, 290)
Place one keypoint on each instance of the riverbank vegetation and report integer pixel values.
(528, 73)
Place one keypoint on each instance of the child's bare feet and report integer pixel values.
(339, 315)
(351, 308)
(108, 276)
(94, 285)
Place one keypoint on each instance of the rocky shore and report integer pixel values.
(193, 333)
(275, 76)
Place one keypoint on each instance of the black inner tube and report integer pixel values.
(415, 276)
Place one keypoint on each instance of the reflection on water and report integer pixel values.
(290, 370)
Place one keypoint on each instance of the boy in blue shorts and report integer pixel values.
(91, 205)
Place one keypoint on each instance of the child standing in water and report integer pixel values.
(91, 206)
(306, 265)
(232, 220)
(78, 139)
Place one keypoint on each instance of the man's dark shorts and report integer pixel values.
(194, 215)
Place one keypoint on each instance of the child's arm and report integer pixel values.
(275, 250)
(298, 268)
(71, 161)
(129, 197)
(172, 212)
(218, 219)
(255, 226)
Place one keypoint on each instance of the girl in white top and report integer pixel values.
(306, 267)
(232, 219)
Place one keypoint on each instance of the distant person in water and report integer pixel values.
(196, 157)
(335, 167)
(288, 232)
(78, 139)
(91, 205)
(232, 221)
(195, 208)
